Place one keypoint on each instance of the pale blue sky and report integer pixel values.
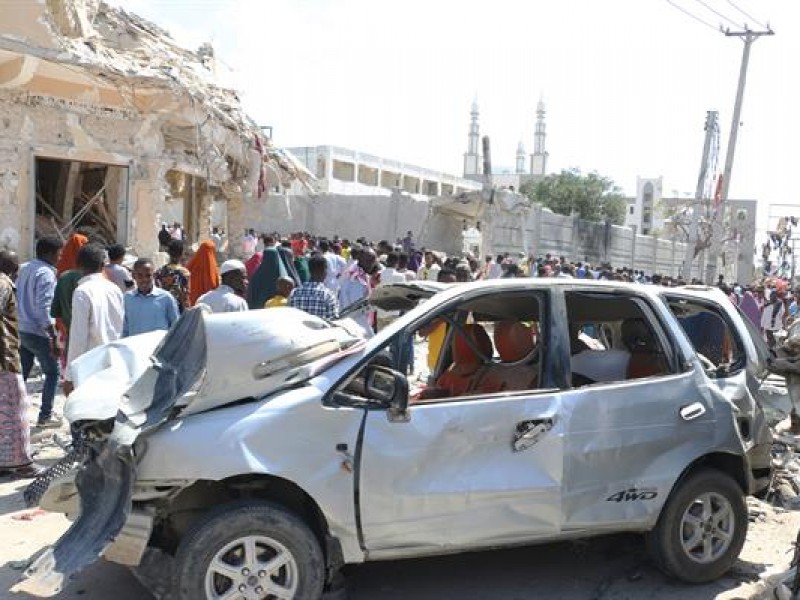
(627, 82)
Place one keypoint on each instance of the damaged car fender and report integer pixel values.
(281, 437)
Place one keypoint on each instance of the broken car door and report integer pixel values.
(637, 417)
(467, 471)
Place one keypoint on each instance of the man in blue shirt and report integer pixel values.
(147, 308)
(36, 286)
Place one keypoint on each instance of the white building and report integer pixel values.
(350, 172)
(650, 213)
(642, 209)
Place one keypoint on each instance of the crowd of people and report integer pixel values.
(78, 295)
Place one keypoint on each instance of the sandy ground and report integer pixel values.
(612, 567)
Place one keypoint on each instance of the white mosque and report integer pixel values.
(537, 165)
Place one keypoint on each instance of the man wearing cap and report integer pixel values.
(229, 296)
(147, 308)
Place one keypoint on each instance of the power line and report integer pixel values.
(716, 12)
(692, 15)
(759, 23)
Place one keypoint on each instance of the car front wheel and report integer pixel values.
(252, 551)
(701, 529)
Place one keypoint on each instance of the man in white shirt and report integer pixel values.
(229, 296)
(388, 276)
(336, 266)
(249, 243)
(495, 270)
(97, 308)
(356, 284)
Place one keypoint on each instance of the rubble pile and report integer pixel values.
(780, 583)
(130, 52)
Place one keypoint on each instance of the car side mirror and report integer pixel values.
(390, 388)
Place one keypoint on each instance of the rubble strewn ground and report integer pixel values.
(612, 567)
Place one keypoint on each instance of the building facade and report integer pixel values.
(108, 127)
(350, 172)
(652, 213)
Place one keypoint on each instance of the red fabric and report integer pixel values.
(204, 270)
(458, 380)
(513, 340)
(69, 254)
(252, 264)
(644, 364)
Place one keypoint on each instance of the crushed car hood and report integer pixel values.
(216, 358)
(204, 362)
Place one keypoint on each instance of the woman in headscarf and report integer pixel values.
(68, 277)
(263, 284)
(749, 306)
(287, 258)
(204, 271)
(69, 254)
(252, 264)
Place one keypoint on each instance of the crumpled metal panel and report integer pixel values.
(450, 478)
(291, 435)
(105, 485)
(629, 438)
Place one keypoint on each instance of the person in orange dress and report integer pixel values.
(204, 271)
(68, 277)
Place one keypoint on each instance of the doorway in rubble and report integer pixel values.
(81, 196)
(190, 203)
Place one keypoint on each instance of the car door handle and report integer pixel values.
(529, 432)
(692, 411)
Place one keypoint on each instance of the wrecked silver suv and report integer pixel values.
(260, 452)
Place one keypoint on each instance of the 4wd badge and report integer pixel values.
(632, 494)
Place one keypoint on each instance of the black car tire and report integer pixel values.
(668, 542)
(230, 523)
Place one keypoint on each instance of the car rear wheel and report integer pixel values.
(250, 551)
(701, 529)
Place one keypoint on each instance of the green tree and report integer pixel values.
(593, 197)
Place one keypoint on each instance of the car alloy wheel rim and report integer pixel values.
(253, 567)
(707, 528)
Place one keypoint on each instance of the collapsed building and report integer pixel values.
(108, 126)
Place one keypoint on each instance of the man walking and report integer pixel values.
(147, 308)
(15, 452)
(228, 297)
(336, 266)
(97, 309)
(36, 285)
(313, 296)
(357, 283)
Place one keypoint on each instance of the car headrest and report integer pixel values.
(636, 335)
(513, 340)
(463, 352)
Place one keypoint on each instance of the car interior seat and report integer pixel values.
(460, 377)
(646, 358)
(515, 345)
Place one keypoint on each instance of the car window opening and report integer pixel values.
(614, 338)
(711, 336)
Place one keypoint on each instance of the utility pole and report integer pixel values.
(748, 37)
(711, 129)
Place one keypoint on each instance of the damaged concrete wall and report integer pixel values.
(389, 217)
(373, 217)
